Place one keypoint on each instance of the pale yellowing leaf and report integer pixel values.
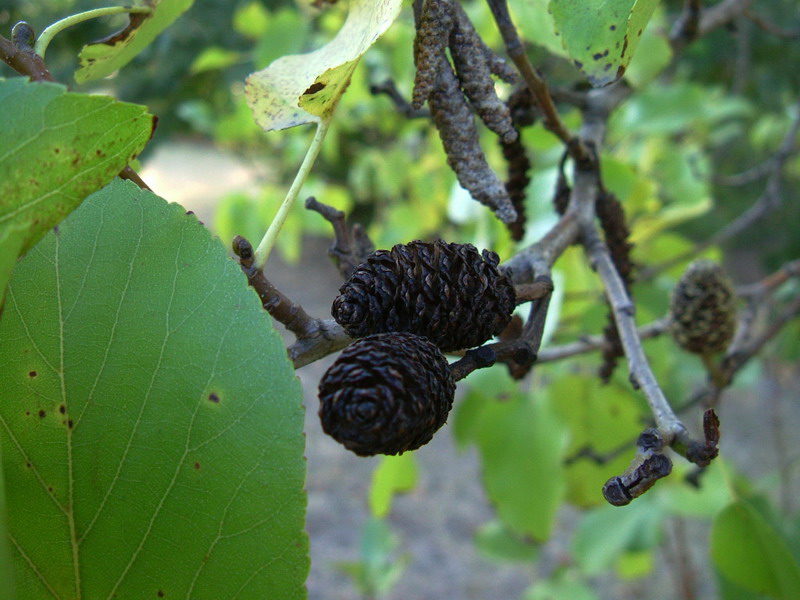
(305, 88)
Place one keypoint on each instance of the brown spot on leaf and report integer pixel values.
(29, 465)
(42, 414)
(153, 125)
(597, 56)
(62, 409)
(134, 21)
(56, 150)
(32, 374)
(613, 28)
(197, 466)
(579, 64)
(160, 593)
(213, 397)
(70, 423)
(50, 488)
(314, 88)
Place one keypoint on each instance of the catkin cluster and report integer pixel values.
(454, 91)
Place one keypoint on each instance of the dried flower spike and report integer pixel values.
(470, 58)
(703, 309)
(386, 394)
(453, 120)
(433, 33)
(449, 293)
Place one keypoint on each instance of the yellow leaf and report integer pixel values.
(305, 88)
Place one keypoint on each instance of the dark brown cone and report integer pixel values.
(703, 309)
(448, 293)
(386, 394)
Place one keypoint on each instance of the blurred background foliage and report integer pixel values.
(721, 109)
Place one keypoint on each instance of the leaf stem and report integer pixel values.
(268, 241)
(48, 34)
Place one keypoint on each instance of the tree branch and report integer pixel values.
(769, 200)
(350, 246)
(402, 105)
(534, 80)
(315, 337)
(641, 375)
(19, 55)
(598, 342)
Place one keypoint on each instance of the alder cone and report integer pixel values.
(448, 293)
(386, 394)
(703, 309)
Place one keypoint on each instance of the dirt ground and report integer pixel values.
(437, 521)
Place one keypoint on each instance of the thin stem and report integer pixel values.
(598, 342)
(268, 242)
(534, 81)
(640, 371)
(351, 246)
(48, 34)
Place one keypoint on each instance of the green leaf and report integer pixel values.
(681, 498)
(749, 552)
(600, 418)
(213, 58)
(252, 19)
(522, 445)
(152, 438)
(306, 88)
(6, 560)
(635, 565)
(535, 23)
(654, 52)
(100, 59)
(607, 532)
(601, 36)
(564, 585)
(496, 541)
(287, 32)
(394, 474)
(58, 148)
(376, 572)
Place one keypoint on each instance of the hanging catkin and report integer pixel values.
(453, 119)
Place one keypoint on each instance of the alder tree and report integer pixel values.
(527, 206)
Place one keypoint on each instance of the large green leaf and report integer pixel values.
(535, 22)
(151, 423)
(6, 561)
(56, 148)
(601, 35)
(306, 88)
(601, 419)
(747, 550)
(102, 58)
(522, 445)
